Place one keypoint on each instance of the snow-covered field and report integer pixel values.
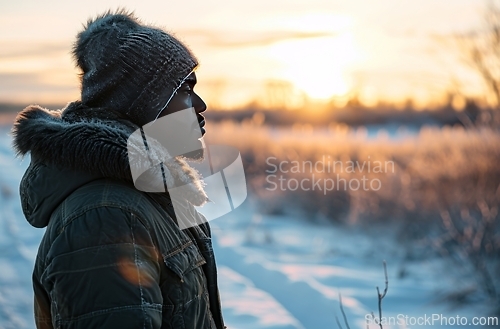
(274, 271)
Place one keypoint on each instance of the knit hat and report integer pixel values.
(129, 67)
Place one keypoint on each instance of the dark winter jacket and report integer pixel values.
(111, 256)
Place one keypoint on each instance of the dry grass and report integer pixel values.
(436, 169)
(444, 190)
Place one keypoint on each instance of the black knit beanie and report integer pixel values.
(127, 66)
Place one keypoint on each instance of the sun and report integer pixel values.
(318, 66)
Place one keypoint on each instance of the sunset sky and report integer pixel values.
(272, 51)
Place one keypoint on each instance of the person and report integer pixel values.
(113, 255)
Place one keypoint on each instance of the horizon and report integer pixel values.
(292, 54)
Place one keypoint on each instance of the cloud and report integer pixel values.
(248, 39)
(11, 50)
(14, 81)
(30, 82)
(213, 38)
(28, 87)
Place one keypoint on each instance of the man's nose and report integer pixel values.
(199, 105)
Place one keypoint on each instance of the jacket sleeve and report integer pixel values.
(104, 274)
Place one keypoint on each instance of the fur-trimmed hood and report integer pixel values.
(75, 145)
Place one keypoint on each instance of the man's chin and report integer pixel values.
(196, 155)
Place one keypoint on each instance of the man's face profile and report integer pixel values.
(181, 124)
(185, 97)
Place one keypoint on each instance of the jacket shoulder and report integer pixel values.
(105, 193)
(99, 201)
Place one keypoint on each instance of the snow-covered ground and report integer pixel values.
(274, 271)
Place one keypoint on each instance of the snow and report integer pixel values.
(274, 271)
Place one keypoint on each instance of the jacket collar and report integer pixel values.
(75, 145)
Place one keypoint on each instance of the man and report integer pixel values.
(114, 256)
